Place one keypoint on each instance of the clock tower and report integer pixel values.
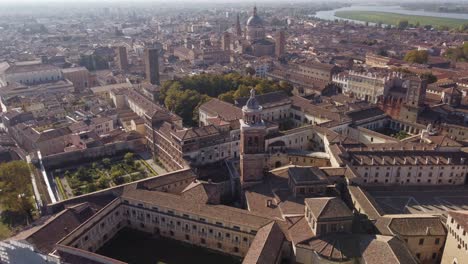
(252, 142)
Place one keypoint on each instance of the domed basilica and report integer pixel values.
(255, 42)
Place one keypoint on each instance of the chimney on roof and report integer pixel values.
(416, 161)
(394, 161)
(427, 160)
(428, 230)
(361, 161)
(404, 160)
(383, 160)
(438, 159)
(269, 203)
(372, 161)
(462, 161)
(449, 160)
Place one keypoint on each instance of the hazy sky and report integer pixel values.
(170, 2)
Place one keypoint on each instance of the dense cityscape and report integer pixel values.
(236, 132)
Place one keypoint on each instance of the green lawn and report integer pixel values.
(393, 18)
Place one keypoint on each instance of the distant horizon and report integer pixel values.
(104, 2)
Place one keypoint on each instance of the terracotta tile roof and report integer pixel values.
(367, 202)
(45, 236)
(302, 175)
(461, 217)
(168, 179)
(217, 212)
(266, 100)
(369, 248)
(30, 68)
(414, 226)
(266, 246)
(197, 132)
(385, 249)
(221, 109)
(337, 247)
(299, 230)
(328, 207)
(309, 108)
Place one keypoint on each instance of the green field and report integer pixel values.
(393, 18)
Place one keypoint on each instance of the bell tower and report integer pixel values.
(252, 142)
(415, 96)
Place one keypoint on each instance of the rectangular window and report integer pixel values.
(421, 241)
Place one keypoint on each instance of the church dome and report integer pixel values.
(252, 103)
(254, 20)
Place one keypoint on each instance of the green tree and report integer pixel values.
(286, 87)
(227, 97)
(417, 56)
(129, 157)
(242, 91)
(103, 182)
(458, 53)
(402, 24)
(83, 174)
(465, 49)
(431, 78)
(183, 96)
(15, 188)
(463, 28)
(106, 162)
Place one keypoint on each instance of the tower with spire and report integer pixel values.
(252, 142)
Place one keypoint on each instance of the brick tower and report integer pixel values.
(252, 142)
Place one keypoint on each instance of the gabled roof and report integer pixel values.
(266, 246)
(45, 236)
(306, 174)
(328, 207)
(266, 100)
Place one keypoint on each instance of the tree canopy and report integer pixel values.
(417, 56)
(185, 95)
(431, 78)
(458, 53)
(16, 188)
(402, 24)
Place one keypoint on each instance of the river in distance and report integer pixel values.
(330, 14)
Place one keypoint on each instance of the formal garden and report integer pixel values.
(101, 174)
(393, 133)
